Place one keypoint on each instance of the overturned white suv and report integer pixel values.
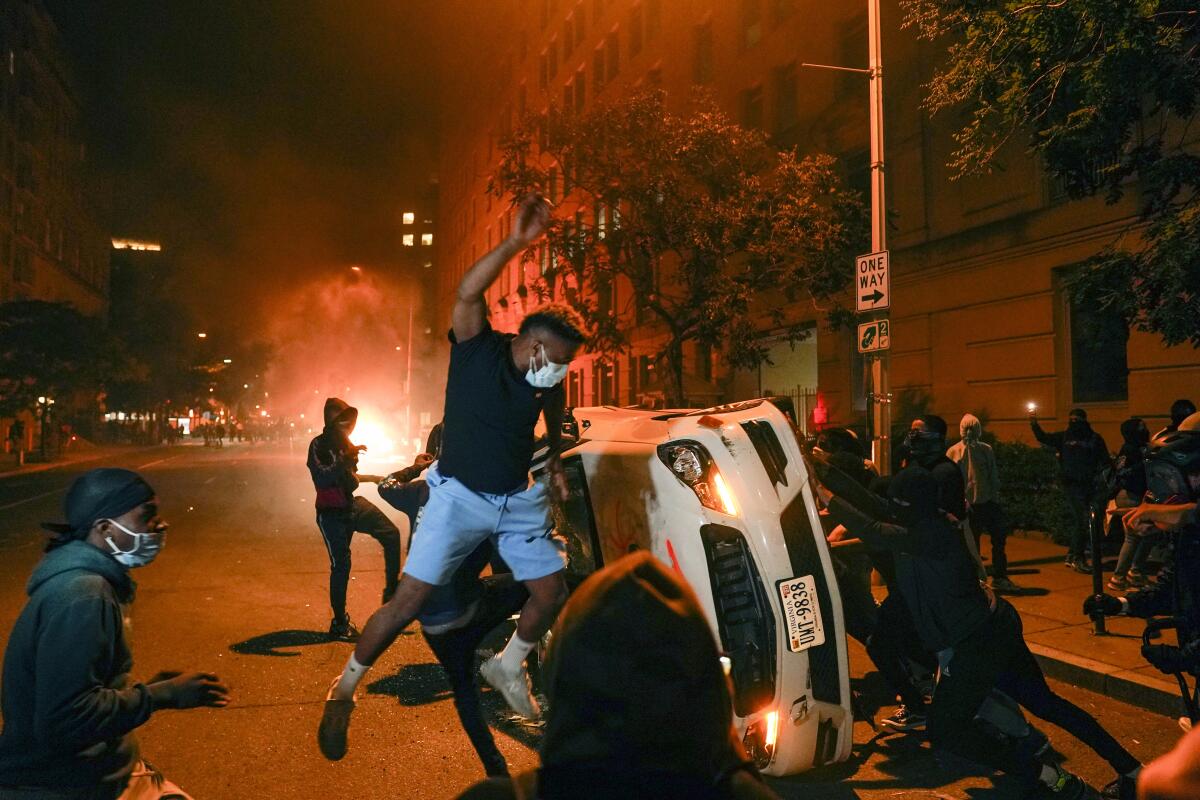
(723, 496)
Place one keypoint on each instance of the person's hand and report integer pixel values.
(558, 479)
(1150, 516)
(533, 216)
(368, 478)
(837, 534)
(191, 690)
(1165, 658)
(422, 461)
(1104, 604)
(823, 494)
(360, 448)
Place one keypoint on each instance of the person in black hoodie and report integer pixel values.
(978, 640)
(333, 465)
(69, 707)
(636, 711)
(1082, 454)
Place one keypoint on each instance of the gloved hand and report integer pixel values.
(1104, 604)
(1164, 657)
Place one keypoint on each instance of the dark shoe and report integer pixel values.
(1070, 561)
(387, 594)
(1118, 583)
(335, 724)
(1082, 565)
(342, 630)
(1138, 579)
(1004, 585)
(1068, 787)
(905, 719)
(1123, 788)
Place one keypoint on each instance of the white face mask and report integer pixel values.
(548, 374)
(145, 547)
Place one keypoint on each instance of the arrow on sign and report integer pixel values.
(873, 298)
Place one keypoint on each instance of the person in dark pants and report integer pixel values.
(458, 616)
(333, 465)
(977, 465)
(977, 638)
(1082, 454)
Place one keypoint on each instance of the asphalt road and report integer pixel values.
(240, 589)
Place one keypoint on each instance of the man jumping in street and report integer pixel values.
(497, 388)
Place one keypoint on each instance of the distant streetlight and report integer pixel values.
(356, 268)
(227, 360)
(201, 335)
(245, 386)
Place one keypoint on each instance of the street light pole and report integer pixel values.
(408, 377)
(881, 398)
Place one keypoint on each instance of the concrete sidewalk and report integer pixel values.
(1058, 633)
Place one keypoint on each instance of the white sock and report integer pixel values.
(515, 652)
(351, 675)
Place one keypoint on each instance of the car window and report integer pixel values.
(574, 521)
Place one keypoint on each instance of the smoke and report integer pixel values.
(348, 337)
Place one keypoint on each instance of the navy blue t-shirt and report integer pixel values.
(491, 413)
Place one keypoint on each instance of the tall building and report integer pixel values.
(980, 319)
(52, 246)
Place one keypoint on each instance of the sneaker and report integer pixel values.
(342, 630)
(1118, 583)
(1070, 562)
(905, 719)
(1137, 578)
(1122, 788)
(1004, 585)
(1067, 787)
(514, 686)
(1083, 566)
(387, 595)
(335, 724)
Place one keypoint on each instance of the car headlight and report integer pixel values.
(761, 738)
(694, 467)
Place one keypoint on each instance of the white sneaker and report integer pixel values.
(514, 686)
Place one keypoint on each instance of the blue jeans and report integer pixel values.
(1135, 552)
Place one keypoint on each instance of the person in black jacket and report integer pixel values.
(977, 638)
(69, 706)
(1082, 455)
(333, 465)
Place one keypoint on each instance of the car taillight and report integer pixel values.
(694, 468)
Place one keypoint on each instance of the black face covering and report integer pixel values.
(924, 445)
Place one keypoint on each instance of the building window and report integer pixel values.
(1099, 359)
(580, 91)
(644, 372)
(752, 107)
(544, 71)
(604, 383)
(580, 20)
(787, 112)
(553, 56)
(409, 240)
(702, 62)
(426, 239)
(568, 96)
(409, 218)
(598, 70)
(704, 361)
(568, 37)
(636, 31)
(601, 221)
(612, 55)
(750, 15)
(575, 388)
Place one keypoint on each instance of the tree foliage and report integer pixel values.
(51, 350)
(702, 218)
(1103, 91)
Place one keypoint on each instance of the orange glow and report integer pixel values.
(772, 730)
(725, 494)
(134, 244)
(1031, 407)
(380, 446)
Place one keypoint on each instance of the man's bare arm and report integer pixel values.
(470, 309)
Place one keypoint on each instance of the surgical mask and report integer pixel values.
(145, 547)
(548, 375)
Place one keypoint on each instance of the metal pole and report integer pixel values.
(408, 377)
(880, 393)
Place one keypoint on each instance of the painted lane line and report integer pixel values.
(159, 461)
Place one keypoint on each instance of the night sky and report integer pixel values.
(259, 140)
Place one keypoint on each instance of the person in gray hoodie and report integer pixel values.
(977, 462)
(68, 704)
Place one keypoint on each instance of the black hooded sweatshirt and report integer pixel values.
(934, 573)
(68, 709)
(1131, 459)
(1081, 452)
(333, 460)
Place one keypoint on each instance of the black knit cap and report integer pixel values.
(98, 494)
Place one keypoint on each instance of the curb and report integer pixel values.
(1152, 694)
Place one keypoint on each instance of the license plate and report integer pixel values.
(802, 612)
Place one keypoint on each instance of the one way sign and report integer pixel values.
(872, 282)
